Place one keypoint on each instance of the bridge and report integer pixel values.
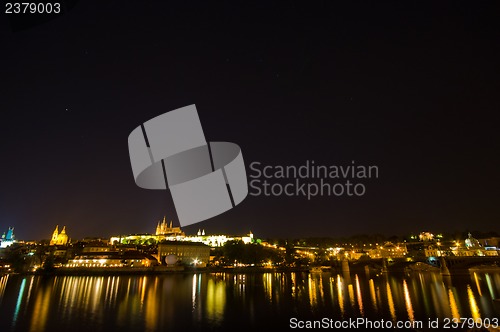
(466, 262)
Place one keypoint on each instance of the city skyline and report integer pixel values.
(410, 89)
(164, 224)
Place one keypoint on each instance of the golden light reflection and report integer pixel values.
(130, 303)
(332, 293)
(340, 294)
(113, 299)
(321, 292)
(409, 307)
(96, 296)
(69, 294)
(477, 284)
(152, 308)
(311, 287)
(41, 310)
(372, 294)
(3, 284)
(453, 305)
(472, 303)
(61, 296)
(360, 298)
(193, 292)
(390, 301)
(350, 291)
(142, 289)
(294, 285)
(111, 289)
(425, 299)
(216, 300)
(239, 284)
(268, 286)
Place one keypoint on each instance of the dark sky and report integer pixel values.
(409, 86)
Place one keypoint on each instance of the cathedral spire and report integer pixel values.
(59, 238)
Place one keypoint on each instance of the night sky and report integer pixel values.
(410, 86)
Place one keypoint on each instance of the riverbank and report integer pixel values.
(372, 268)
(62, 271)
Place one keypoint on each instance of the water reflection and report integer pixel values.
(3, 283)
(220, 300)
(390, 302)
(453, 305)
(409, 307)
(340, 294)
(472, 302)
(215, 300)
(359, 298)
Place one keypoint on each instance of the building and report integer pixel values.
(472, 247)
(168, 230)
(59, 239)
(217, 240)
(164, 231)
(491, 242)
(389, 250)
(187, 253)
(426, 236)
(112, 260)
(96, 249)
(8, 239)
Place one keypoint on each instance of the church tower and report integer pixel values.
(59, 238)
(158, 229)
(167, 229)
(54, 236)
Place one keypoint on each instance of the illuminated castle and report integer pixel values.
(59, 239)
(164, 229)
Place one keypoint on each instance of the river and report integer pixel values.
(229, 301)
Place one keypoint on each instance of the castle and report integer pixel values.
(59, 239)
(164, 229)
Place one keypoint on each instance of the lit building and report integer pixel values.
(389, 250)
(217, 240)
(59, 239)
(165, 232)
(96, 249)
(196, 254)
(434, 251)
(472, 248)
(426, 236)
(8, 239)
(111, 260)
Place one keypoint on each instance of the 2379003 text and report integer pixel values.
(32, 8)
(471, 323)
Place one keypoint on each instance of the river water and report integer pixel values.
(227, 301)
